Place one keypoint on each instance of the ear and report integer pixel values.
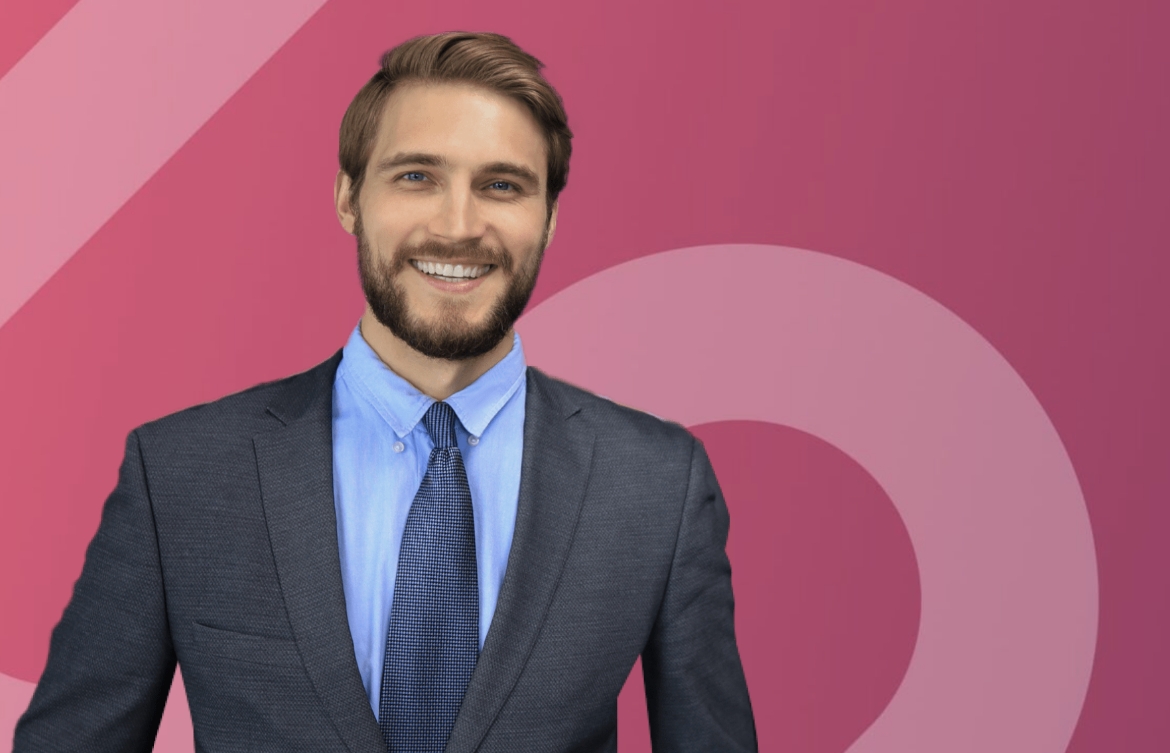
(345, 213)
(552, 225)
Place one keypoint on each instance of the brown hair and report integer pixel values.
(491, 61)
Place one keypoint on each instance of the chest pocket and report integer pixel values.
(245, 647)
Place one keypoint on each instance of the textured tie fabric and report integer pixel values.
(433, 641)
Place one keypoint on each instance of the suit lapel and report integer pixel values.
(295, 464)
(558, 454)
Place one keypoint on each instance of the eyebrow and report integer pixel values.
(516, 171)
(410, 158)
(403, 159)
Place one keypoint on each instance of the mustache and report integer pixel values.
(473, 249)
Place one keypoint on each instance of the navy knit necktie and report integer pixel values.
(433, 641)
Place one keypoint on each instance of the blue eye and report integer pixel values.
(502, 185)
(415, 177)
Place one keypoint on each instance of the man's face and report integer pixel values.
(452, 219)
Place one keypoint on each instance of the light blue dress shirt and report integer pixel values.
(380, 453)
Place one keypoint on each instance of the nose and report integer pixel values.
(458, 217)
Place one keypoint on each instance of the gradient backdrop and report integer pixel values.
(900, 266)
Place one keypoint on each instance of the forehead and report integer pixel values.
(466, 125)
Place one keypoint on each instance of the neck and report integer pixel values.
(436, 377)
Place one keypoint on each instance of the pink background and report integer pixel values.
(166, 237)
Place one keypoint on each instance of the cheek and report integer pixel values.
(524, 239)
(388, 223)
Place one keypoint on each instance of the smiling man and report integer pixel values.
(422, 544)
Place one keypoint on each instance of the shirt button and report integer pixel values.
(399, 447)
(473, 441)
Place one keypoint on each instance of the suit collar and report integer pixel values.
(295, 465)
(558, 455)
(306, 393)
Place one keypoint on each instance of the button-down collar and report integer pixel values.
(402, 406)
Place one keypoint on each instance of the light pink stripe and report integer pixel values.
(174, 732)
(101, 102)
(14, 697)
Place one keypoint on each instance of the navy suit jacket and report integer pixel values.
(218, 550)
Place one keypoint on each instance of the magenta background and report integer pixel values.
(1007, 159)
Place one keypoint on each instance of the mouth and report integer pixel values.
(451, 272)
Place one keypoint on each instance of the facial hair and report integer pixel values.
(451, 337)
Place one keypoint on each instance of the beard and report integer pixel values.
(451, 337)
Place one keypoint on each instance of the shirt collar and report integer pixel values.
(402, 406)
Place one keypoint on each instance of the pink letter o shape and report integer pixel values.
(927, 406)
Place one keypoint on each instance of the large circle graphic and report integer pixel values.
(928, 407)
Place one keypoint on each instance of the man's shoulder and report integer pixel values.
(248, 412)
(621, 425)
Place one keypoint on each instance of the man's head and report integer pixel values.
(453, 153)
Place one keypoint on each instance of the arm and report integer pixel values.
(110, 658)
(695, 689)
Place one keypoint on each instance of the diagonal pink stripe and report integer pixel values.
(174, 733)
(14, 697)
(101, 102)
(24, 25)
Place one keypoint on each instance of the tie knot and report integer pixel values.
(440, 422)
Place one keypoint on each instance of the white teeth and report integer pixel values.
(454, 272)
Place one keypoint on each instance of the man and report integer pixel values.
(421, 544)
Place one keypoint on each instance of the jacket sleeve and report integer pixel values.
(696, 693)
(110, 658)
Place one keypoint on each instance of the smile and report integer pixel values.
(451, 272)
